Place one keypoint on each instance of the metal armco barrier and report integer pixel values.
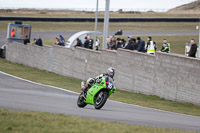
(100, 19)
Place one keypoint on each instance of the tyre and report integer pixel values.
(80, 101)
(100, 99)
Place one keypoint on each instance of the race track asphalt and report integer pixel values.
(18, 94)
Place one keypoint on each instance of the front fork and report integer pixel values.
(83, 88)
(84, 93)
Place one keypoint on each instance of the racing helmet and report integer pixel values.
(90, 82)
(110, 72)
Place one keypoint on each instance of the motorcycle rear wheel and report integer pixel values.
(80, 101)
(100, 100)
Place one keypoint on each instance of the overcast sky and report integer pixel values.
(114, 4)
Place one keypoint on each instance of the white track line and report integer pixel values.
(38, 83)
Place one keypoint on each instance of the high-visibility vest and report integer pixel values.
(151, 48)
(167, 46)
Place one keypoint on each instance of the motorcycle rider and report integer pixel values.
(109, 75)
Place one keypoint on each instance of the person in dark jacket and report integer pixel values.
(193, 48)
(165, 47)
(79, 43)
(141, 45)
(27, 40)
(62, 39)
(119, 43)
(38, 41)
(123, 43)
(88, 43)
(130, 44)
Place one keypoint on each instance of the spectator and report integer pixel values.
(123, 42)
(113, 44)
(141, 45)
(119, 43)
(151, 46)
(165, 46)
(58, 42)
(13, 32)
(135, 45)
(193, 48)
(119, 32)
(79, 43)
(109, 42)
(130, 44)
(38, 41)
(62, 40)
(88, 43)
(85, 41)
(27, 40)
(97, 44)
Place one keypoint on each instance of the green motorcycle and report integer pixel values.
(98, 93)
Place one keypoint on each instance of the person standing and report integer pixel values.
(97, 44)
(13, 32)
(113, 45)
(193, 48)
(165, 46)
(141, 45)
(79, 43)
(58, 42)
(62, 39)
(88, 43)
(38, 41)
(27, 40)
(119, 43)
(130, 44)
(151, 46)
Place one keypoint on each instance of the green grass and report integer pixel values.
(35, 122)
(74, 85)
(130, 26)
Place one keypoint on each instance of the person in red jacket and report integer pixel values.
(13, 32)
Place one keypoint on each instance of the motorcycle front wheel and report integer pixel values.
(80, 101)
(100, 99)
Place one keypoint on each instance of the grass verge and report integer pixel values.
(130, 26)
(35, 122)
(53, 79)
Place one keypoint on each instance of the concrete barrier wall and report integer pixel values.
(30, 55)
(170, 76)
(178, 78)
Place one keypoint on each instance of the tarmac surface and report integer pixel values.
(19, 94)
(54, 34)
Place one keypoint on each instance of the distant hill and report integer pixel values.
(191, 8)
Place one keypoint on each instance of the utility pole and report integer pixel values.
(96, 22)
(199, 38)
(106, 24)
